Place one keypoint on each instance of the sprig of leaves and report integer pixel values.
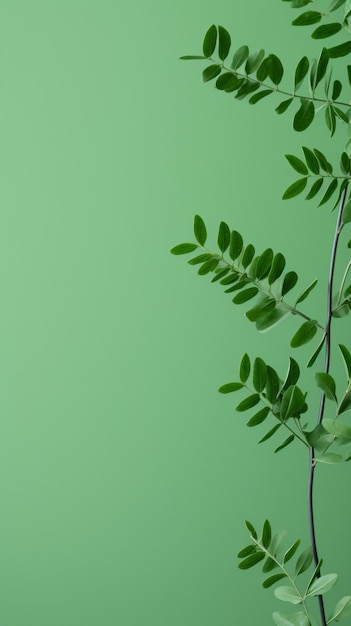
(250, 276)
(248, 73)
(312, 17)
(281, 398)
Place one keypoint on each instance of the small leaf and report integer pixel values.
(297, 164)
(259, 375)
(325, 165)
(345, 404)
(304, 116)
(223, 237)
(270, 433)
(232, 278)
(341, 610)
(252, 560)
(266, 534)
(184, 248)
(327, 30)
(295, 189)
(246, 551)
(271, 319)
(337, 88)
(330, 119)
(293, 374)
(336, 4)
(269, 565)
(227, 81)
(285, 443)
(329, 458)
(200, 231)
(211, 72)
(289, 282)
(209, 42)
(258, 96)
(292, 402)
(264, 264)
(319, 438)
(340, 51)
(192, 57)
(304, 561)
(338, 429)
(322, 65)
(290, 553)
(315, 188)
(272, 580)
(261, 308)
(245, 295)
(251, 529)
(305, 333)
(248, 255)
(347, 359)
(264, 69)
(245, 367)
(276, 69)
(308, 18)
(224, 43)
(292, 619)
(277, 269)
(332, 187)
(311, 160)
(230, 387)
(322, 585)
(236, 245)
(259, 417)
(248, 403)
(200, 258)
(288, 594)
(301, 71)
(327, 384)
(307, 291)
(315, 354)
(208, 266)
(272, 384)
(283, 106)
(345, 163)
(254, 61)
(239, 57)
(220, 273)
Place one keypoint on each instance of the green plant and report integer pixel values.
(262, 279)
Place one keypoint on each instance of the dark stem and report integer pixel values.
(312, 464)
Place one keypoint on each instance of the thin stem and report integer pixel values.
(312, 464)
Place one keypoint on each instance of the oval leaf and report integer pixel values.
(340, 51)
(342, 609)
(297, 164)
(304, 116)
(292, 402)
(307, 291)
(288, 594)
(259, 417)
(322, 585)
(224, 43)
(209, 42)
(245, 367)
(230, 387)
(239, 57)
(252, 560)
(301, 71)
(289, 282)
(304, 561)
(223, 237)
(211, 72)
(272, 580)
(295, 189)
(200, 231)
(307, 18)
(305, 333)
(184, 248)
(327, 383)
(327, 30)
(236, 245)
(248, 403)
(245, 295)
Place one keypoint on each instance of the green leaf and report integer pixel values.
(220, 273)
(327, 384)
(341, 610)
(304, 561)
(301, 71)
(289, 282)
(322, 65)
(272, 580)
(266, 534)
(271, 319)
(292, 402)
(246, 88)
(288, 594)
(304, 116)
(200, 231)
(307, 291)
(211, 72)
(264, 264)
(283, 106)
(236, 245)
(224, 43)
(336, 4)
(230, 387)
(315, 354)
(292, 619)
(252, 560)
(264, 69)
(223, 237)
(192, 57)
(277, 269)
(272, 384)
(270, 433)
(345, 163)
(285, 443)
(200, 258)
(248, 403)
(251, 529)
(322, 585)
(246, 551)
(259, 417)
(290, 553)
(332, 187)
(329, 458)
(265, 305)
(305, 333)
(295, 189)
(347, 359)
(337, 88)
(208, 266)
(319, 438)
(209, 42)
(254, 61)
(311, 160)
(227, 81)
(341, 115)
(293, 374)
(314, 189)
(245, 295)
(261, 94)
(259, 375)
(276, 70)
(269, 565)
(307, 18)
(345, 404)
(338, 429)
(340, 51)
(232, 278)
(239, 57)
(330, 119)
(297, 164)
(245, 367)
(184, 248)
(325, 165)
(248, 255)
(327, 30)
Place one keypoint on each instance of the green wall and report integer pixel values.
(125, 477)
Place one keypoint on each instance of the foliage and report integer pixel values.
(261, 283)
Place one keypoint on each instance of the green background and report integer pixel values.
(125, 477)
